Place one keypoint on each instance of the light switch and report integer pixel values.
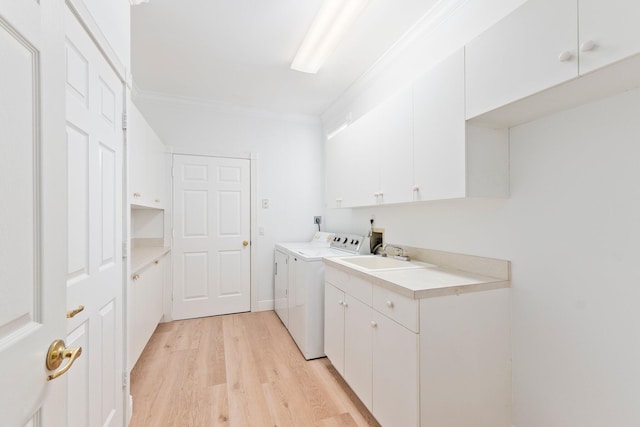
(265, 203)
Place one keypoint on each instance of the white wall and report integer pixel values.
(571, 228)
(290, 166)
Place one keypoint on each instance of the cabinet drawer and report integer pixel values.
(360, 289)
(337, 278)
(402, 309)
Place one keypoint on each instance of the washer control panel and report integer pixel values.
(347, 242)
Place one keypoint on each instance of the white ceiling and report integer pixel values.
(238, 52)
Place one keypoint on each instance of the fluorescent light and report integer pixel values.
(332, 21)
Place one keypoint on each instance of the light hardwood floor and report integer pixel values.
(240, 370)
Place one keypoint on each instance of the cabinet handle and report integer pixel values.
(340, 302)
(565, 56)
(136, 195)
(416, 188)
(344, 304)
(156, 261)
(157, 200)
(374, 324)
(587, 46)
(136, 277)
(390, 304)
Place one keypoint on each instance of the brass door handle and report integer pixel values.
(58, 351)
(72, 313)
(245, 243)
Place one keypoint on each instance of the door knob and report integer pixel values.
(245, 242)
(58, 351)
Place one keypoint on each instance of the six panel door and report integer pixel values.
(94, 102)
(211, 245)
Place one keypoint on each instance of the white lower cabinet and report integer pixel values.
(376, 356)
(334, 326)
(395, 373)
(358, 346)
(431, 362)
(146, 306)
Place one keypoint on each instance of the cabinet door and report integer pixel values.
(156, 170)
(530, 50)
(609, 32)
(281, 287)
(332, 169)
(439, 131)
(334, 326)
(146, 307)
(137, 145)
(357, 349)
(393, 141)
(361, 170)
(395, 373)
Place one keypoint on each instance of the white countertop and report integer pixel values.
(425, 282)
(145, 255)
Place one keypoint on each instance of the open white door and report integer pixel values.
(211, 244)
(94, 102)
(33, 222)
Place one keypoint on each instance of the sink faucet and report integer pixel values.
(399, 250)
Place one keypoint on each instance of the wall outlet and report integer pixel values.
(317, 220)
(265, 203)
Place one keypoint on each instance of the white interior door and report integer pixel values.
(211, 226)
(94, 100)
(32, 211)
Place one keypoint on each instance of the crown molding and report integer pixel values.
(222, 107)
(438, 14)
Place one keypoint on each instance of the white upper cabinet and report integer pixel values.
(147, 168)
(370, 162)
(393, 136)
(453, 159)
(361, 164)
(334, 170)
(609, 32)
(532, 49)
(439, 131)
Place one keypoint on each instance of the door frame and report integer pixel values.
(253, 215)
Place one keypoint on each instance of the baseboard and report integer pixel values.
(265, 305)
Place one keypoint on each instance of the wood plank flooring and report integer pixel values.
(240, 370)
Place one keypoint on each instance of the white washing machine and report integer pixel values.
(300, 290)
(281, 270)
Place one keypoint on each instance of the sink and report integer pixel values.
(374, 262)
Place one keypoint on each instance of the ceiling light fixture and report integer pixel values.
(332, 21)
